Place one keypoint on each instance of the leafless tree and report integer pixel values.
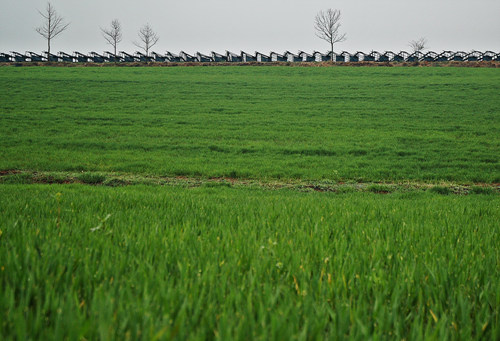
(53, 26)
(113, 35)
(148, 38)
(418, 45)
(327, 25)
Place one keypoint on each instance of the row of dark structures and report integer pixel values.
(243, 57)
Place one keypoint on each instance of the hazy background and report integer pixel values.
(262, 25)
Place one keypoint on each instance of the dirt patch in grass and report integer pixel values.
(9, 172)
(119, 180)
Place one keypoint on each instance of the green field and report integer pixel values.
(222, 263)
(361, 124)
(249, 203)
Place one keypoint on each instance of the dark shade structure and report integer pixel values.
(187, 57)
(218, 58)
(473, 56)
(173, 58)
(430, 56)
(35, 57)
(344, 56)
(371, 57)
(51, 57)
(19, 57)
(96, 57)
(232, 57)
(203, 58)
(159, 58)
(262, 57)
(415, 57)
(488, 56)
(66, 57)
(457, 56)
(127, 58)
(387, 56)
(142, 57)
(294, 58)
(80, 57)
(276, 57)
(356, 57)
(444, 56)
(324, 57)
(341, 57)
(400, 57)
(307, 57)
(246, 57)
(111, 57)
(5, 58)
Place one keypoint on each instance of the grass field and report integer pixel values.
(205, 263)
(361, 124)
(249, 203)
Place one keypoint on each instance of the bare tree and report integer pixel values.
(418, 45)
(148, 38)
(53, 26)
(327, 25)
(113, 35)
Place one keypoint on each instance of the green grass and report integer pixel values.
(223, 263)
(362, 124)
(249, 203)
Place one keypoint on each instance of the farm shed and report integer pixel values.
(371, 57)
(96, 57)
(324, 57)
(290, 57)
(4, 57)
(217, 57)
(457, 56)
(262, 57)
(34, 57)
(232, 57)
(430, 56)
(111, 57)
(276, 57)
(18, 57)
(473, 56)
(387, 56)
(203, 58)
(248, 57)
(80, 57)
(488, 56)
(159, 58)
(356, 57)
(51, 57)
(142, 57)
(306, 57)
(127, 58)
(415, 57)
(400, 57)
(66, 57)
(186, 57)
(173, 58)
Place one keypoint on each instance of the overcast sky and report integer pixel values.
(262, 25)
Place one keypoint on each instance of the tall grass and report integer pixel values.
(223, 263)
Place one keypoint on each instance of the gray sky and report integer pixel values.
(262, 25)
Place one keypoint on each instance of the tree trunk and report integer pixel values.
(331, 51)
